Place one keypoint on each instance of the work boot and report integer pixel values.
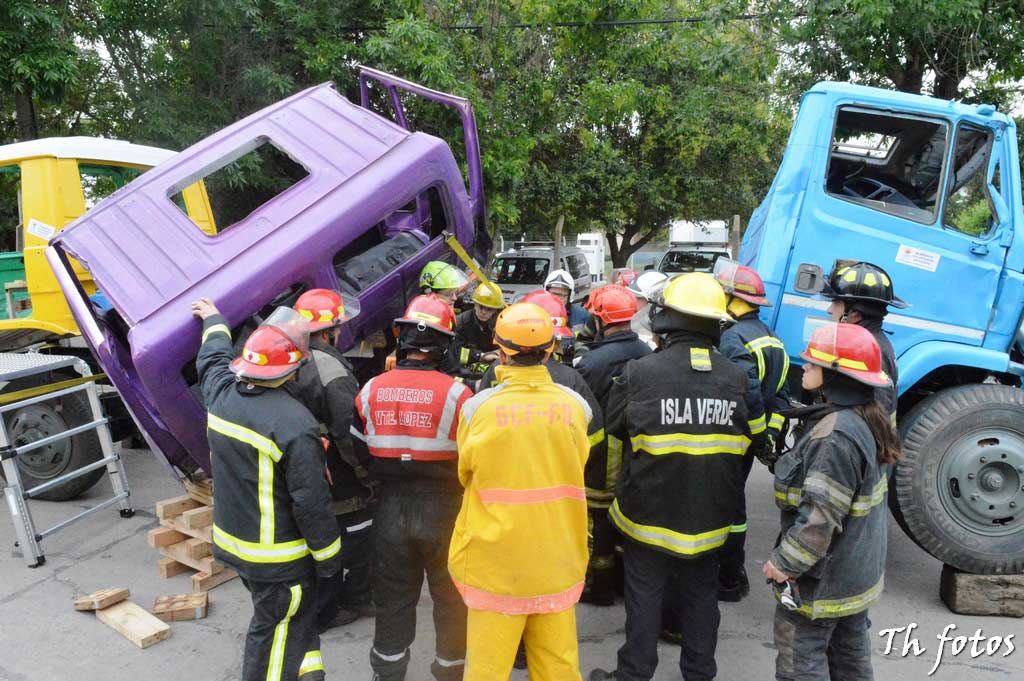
(347, 614)
(601, 675)
(734, 589)
(600, 590)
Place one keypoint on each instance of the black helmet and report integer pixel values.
(861, 282)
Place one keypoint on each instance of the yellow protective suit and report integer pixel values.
(520, 542)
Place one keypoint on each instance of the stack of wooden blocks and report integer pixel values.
(185, 537)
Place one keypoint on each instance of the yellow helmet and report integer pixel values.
(698, 294)
(488, 295)
(524, 327)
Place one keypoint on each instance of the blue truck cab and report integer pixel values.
(929, 190)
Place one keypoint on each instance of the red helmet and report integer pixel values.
(848, 349)
(625, 277)
(325, 308)
(429, 312)
(551, 304)
(612, 304)
(741, 281)
(276, 348)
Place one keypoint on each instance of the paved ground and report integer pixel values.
(43, 639)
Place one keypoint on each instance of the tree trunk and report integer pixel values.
(621, 251)
(25, 113)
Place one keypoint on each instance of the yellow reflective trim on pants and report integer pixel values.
(677, 542)
(738, 529)
(596, 438)
(686, 443)
(329, 552)
(259, 552)
(216, 328)
(269, 454)
(312, 662)
(281, 636)
(757, 425)
(842, 606)
(613, 462)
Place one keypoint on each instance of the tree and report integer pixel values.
(947, 48)
(37, 57)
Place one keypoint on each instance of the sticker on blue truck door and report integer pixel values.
(915, 257)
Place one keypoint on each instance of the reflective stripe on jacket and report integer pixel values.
(750, 343)
(272, 518)
(832, 493)
(684, 411)
(411, 415)
(520, 541)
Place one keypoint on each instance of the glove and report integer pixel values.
(768, 456)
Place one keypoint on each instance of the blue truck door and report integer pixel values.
(908, 190)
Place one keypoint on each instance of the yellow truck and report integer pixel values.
(45, 184)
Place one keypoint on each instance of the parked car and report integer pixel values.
(361, 205)
(524, 268)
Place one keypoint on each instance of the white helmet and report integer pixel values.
(648, 285)
(563, 279)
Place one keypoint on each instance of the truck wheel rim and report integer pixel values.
(981, 481)
(31, 424)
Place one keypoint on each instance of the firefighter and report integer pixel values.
(405, 426)
(860, 294)
(613, 308)
(751, 344)
(519, 551)
(272, 521)
(829, 562)
(563, 286)
(646, 288)
(684, 412)
(473, 349)
(442, 279)
(327, 387)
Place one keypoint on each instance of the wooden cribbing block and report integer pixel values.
(168, 567)
(968, 594)
(162, 536)
(201, 490)
(204, 533)
(134, 623)
(102, 599)
(168, 508)
(197, 548)
(182, 607)
(204, 581)
(180, 553)
(197, 517)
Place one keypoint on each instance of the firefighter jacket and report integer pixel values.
(832, 493)
(887, 397)
(602, 363)
(601, 471)
(472, 340)
(751, 344)
(327, 387)
(272, 518)
(684, 412)
(520, 541)
(405, 425)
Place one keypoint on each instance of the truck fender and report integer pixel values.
(921, 359)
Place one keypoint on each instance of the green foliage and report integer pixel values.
(36, 55)
(916, 46)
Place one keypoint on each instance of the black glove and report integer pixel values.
(768, 456)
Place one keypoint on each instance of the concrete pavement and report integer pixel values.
(43, 639)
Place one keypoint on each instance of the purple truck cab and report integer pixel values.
(365, 218)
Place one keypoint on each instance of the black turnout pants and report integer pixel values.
(282, 643)
(732, 555)
(647, 575)
(412, 531)
(350, 588)
(836, 649)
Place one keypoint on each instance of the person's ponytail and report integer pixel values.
(886, 439)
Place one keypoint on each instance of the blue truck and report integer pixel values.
(929, 190)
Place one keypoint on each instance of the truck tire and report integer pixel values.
(959, 487)
(40, 420)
